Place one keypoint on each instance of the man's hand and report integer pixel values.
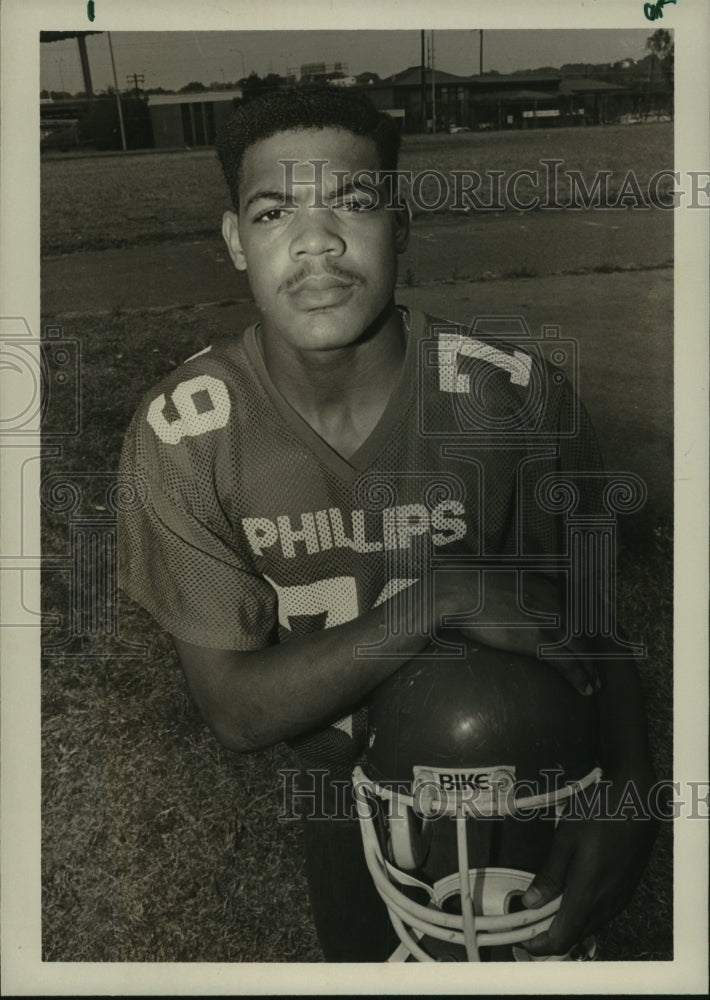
(510, 599)
(596, 863)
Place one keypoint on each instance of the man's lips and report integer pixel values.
(320, 283)
(321, 295)
(322, 291)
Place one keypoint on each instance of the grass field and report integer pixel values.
(158, 845)
(92, 203)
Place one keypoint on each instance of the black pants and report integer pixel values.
(350, 918)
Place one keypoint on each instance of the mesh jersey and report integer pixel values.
(249, 529)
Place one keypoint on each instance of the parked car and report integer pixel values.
(59, 135)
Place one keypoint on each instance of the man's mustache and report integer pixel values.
(331, 269)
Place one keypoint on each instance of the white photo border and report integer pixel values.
(24, 971)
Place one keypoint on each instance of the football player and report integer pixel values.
(302, 478)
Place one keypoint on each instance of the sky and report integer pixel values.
(170, 59)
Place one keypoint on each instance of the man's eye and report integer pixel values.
(270, 215)
(357, 203)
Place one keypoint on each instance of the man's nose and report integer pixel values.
(316, 234)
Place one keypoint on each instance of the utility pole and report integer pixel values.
(480, 52)
(135, 77)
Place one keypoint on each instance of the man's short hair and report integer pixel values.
(313, 107)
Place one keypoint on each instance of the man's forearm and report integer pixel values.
(254, 699)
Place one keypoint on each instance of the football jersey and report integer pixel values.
(250, 529)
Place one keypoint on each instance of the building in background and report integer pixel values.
(578, 94)
(319, 72)
(497, 101)
(181, 120)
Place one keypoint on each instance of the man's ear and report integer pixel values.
(402, 222)
(230, 232)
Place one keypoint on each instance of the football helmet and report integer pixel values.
(473, 757)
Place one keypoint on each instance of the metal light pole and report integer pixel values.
(422, 83)
(85, 69)
(244, 72)
(433, 91)
(118, 95)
